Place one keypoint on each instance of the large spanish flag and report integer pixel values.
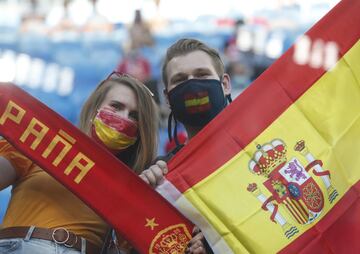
(279, 169)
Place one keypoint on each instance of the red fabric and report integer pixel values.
(313, 164)
(108, 187)
(120, 124)
(170, 145)
(198, 108)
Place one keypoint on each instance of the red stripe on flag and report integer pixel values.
(290, 208)
(325, 234)
(198, 109)
(296, 205)
(275, 90)
(198, 95)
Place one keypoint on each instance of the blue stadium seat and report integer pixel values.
(8, 38)
(35, 45)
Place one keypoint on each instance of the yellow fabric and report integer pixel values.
(327, 118)
(38, 199)
(197, 101)
(112, 138)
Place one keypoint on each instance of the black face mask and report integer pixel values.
(196, 102)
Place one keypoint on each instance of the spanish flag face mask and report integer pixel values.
(116, 133)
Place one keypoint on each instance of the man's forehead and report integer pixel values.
(189, 62)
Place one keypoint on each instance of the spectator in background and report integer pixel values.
(33, 21)
(231, 51)
(135, 65)
(97, 23)
(237, 63)
(60, 20)
(40, 207)
(140, 33)
(158, 22)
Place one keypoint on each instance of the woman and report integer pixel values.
(43, 216)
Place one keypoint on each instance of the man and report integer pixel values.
(195, 83)
(197, 89)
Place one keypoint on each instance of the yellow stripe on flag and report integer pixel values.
(327, 118)
(197, 101)
(117, 140)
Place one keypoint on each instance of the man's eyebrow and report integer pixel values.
(202, 69)
(197, 70)
(177, 75)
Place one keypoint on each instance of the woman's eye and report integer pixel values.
(116, 106)
(134, 116)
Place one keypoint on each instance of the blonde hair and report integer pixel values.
(144, 150)
(186, 46)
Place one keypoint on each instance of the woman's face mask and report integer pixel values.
(116, 133)
(196, 102)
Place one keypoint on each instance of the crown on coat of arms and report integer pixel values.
(268, 157)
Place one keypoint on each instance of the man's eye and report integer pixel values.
(177, 81)
(203, 74)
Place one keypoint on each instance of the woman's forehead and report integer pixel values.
(121, 93)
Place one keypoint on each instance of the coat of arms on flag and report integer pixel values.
(291, 184)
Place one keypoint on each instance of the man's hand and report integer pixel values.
(154, 175)
(196, 244)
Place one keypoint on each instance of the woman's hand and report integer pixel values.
(154, 175)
